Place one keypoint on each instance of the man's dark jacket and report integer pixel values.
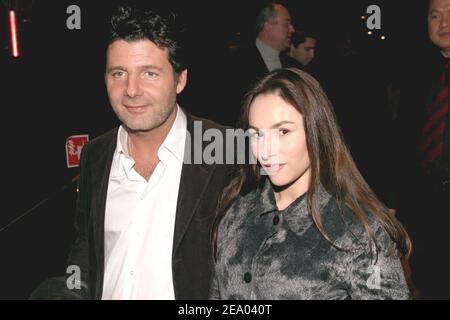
(200, 188)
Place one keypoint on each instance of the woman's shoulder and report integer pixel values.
(348, 230)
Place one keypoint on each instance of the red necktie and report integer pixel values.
(432, 144)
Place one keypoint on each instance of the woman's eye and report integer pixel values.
(255, 134)
(284, 131)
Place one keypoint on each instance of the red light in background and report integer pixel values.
(13, 29)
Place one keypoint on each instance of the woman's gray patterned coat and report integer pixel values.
(263, 253)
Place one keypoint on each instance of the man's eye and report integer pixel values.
(118, 74)
(151, 75)
(435, 16)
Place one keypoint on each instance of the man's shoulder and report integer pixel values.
(289, 62)
(103, 141)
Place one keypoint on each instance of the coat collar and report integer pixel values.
(297, 214)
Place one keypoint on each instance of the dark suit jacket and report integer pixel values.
(445, 158)
(200, 187)
(244, 68)
(250, 63)
(289, 62)
(418, 94)
(423, 207)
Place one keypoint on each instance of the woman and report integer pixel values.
(302, 223)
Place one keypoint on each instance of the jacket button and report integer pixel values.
(276, 220)
(247, 277)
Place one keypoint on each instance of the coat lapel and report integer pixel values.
(193, 182)
(101, 167)
(260, 65)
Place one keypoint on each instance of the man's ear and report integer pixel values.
(182, 80)
(266, 26)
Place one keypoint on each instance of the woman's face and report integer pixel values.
(278, 141)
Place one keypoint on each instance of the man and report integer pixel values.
(303, 47)
(428, 213)
(273, 35)
(274, 31)
(144, 214)
(436, 151)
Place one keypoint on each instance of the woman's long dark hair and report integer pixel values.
(332, 166)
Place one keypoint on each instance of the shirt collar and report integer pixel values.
(173, 144)
(175, 140)
(124, 162)
(122, 139)
(268, 53)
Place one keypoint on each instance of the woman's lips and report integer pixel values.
(273, 168)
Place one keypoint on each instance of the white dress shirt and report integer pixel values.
(140, 220)
(270, 56)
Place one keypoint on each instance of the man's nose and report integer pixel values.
(445, 20)
(291, 28)
(133, 87)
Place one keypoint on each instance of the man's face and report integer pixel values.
(304, 52)
(439, 24)
(141, 84)
(280, 29)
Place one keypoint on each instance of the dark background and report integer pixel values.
(56, 89)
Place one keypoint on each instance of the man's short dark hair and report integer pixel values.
(162, 28)
(299, 37)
